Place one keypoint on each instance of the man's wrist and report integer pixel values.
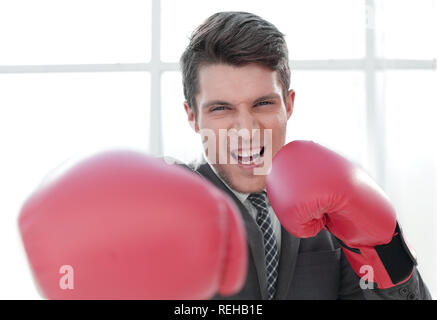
(397, 258)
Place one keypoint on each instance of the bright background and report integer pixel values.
(84, 75)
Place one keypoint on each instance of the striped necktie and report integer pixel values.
(259, 201)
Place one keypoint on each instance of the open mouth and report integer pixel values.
(248, 157)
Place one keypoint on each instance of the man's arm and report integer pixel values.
(311, 187)
(350, 289)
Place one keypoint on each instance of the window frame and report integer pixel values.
(371, 65)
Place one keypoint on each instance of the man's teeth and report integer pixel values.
(247, 156)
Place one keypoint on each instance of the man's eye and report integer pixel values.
(264, 103)
(218, 108)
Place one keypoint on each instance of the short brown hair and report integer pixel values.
(238, 39)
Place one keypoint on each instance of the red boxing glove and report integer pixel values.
(311, 187)
(122, 225)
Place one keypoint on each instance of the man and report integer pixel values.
(236, 81)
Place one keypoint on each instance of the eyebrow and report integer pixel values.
(213, 102)
(268, 97)
(225, 103)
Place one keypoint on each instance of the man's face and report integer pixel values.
(242, 118)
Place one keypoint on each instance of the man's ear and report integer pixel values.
(191, 117)
(290, 103)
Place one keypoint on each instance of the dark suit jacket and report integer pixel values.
(311, 268)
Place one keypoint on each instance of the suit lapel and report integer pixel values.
(287, 263)
(253, 232)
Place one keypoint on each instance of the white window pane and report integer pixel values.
(313, 28)
(46, 119)
(409, 29)
(330, 109)
(180, 140)
(411, 105)
(80, 31)
(411, 164)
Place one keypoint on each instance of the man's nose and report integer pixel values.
(245, 119)
(246, 128)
